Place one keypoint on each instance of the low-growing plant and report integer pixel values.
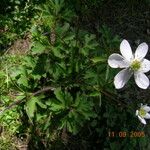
(63, 87)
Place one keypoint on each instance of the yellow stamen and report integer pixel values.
(142, 112)
(135, 65)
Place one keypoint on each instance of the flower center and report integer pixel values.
(135, 65)
(142, 113)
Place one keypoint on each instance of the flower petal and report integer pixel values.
(137, 112)
(125, 50)
(147, 116)
(141, 80)
(145, 66)
(141, 51)
(142, 105)
(122, 78)
(142, 120)
(117, 61)
(146, 108)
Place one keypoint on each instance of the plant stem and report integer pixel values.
(12, 105)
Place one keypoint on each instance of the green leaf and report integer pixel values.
(94, 94)
(49, 102)
(2, 74)
(59, 94)
(23, 81)
(63, 29)
(99, 59)
(41, 104)
(57, 107)
(31, 106)
(69, 126)
(38, 48)
(57, 52)
(77, 101)
(20, 97)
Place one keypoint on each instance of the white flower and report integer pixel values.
(133, 63)
(143, 114)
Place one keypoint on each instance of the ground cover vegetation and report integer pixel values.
(56, 85)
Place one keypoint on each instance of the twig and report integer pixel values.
(45, 89)
(114, 99)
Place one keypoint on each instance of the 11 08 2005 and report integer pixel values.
(123, 134)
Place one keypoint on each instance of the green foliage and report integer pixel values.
(75, 112)
(15, 20)
(63, 85)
